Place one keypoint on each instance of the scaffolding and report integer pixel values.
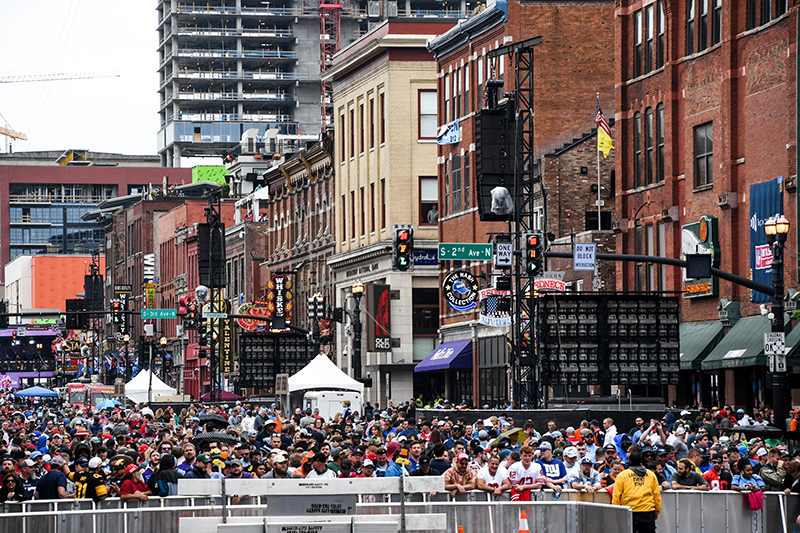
(330, 15)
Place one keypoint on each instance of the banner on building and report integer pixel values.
(766, 200)
(379, 321)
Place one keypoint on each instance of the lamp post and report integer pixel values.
(41, 361)
(777, 231)
(358, 291)
(128, 370)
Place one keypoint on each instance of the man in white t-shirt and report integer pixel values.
(493, 478)
(526, 476)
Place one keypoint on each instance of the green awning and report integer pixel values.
(743, 345)
(793, 347)
(697, 341)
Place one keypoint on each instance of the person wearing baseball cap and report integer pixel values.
(460, 478)
(133, 486)
(587, 478)
(201, 469)
(553, 469)
(280, 467)
(53, 485)
(89, 482)
(319, 468)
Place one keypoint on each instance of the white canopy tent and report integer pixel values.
(136, 389)
(322, 373)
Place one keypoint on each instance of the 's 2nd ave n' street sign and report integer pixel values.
(149, 314)
(465, 251)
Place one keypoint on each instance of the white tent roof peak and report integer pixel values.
(322, 373)
(136, 389)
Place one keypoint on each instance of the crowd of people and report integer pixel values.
(55, 451)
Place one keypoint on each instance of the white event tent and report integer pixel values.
(136, 389)
(322, 373)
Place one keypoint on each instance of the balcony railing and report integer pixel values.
(255, 54)
(235, 32)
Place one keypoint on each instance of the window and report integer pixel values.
(362, 205)
(690, 27)
(455, 184)
(428, 200)
(372, 208)
(371, 123)
(480, 83)
(466, 182)
(352, 133)
(427, 114)
(361, 128)
(648, 139)
(637, 51)
(662, 252)
(703, 155)
(344, 219)
(649, 31)
(702, 27)
(457, 92)
(447, 98)
(353, 214)
(651, 267)
(467, 103)
(383, 118)
(780, 8)
(751, 14)
(716, 30)
(383, 203)
(637, 150)
(766, 11)
(342, 144)
(661, 29)
(660, 142)
(446, 187)
(637, 250)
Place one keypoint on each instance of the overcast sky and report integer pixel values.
(118, 114)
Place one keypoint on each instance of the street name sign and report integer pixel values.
(150, 314)
(465, 251)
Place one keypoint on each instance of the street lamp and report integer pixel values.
(777, 231)
(39, 347)
(358, 291)
(128, 370)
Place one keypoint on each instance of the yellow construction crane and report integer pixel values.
(6, 130)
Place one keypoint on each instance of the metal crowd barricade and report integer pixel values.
(723, 512)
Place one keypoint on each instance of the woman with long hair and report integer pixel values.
(12, 490)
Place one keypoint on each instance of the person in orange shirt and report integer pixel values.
(794, 425)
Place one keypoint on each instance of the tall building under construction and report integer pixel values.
(227, 66)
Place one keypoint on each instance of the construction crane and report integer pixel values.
(57, 77)
(6, 130)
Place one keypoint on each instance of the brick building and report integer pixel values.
(574, 62)
(384, 91)
(706, 115)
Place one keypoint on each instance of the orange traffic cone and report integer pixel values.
(460, 529)
(523, 522)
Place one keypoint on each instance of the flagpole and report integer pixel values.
(599, 221)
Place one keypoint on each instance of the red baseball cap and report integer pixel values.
(462, 456)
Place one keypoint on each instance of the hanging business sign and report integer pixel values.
(701, 238)
(460, 290)
(227, 346)
(279, 302)
(255, 309)
(379, 323)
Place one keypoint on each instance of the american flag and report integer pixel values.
(601, 121)
(491, 305)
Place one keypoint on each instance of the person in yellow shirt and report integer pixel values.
(637, 488)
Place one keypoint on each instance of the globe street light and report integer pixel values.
(777, 231)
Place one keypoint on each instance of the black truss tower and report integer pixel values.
(524, 366)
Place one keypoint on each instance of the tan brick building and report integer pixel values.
(385, 164)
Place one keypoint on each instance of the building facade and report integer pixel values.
(565, 87)
(227, 66)
(706, 135)
(385, 164)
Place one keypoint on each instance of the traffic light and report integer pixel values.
(402, 247)
(534, 253)
(116, 312)
(191, 321)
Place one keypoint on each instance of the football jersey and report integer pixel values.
(493, 481)
(720, 481)
(519, 475)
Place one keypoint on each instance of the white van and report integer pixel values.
(330, 402)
